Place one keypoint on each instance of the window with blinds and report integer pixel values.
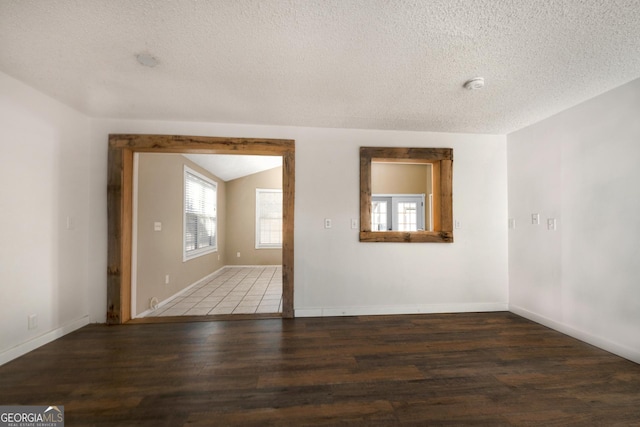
(268, 218)
(200, 214)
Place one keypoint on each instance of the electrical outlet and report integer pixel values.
(32, 321)
(551, 224)
(238, 254)
(535, 219)
(354, 224)
(327, 223)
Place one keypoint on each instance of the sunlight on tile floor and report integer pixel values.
(234, 290)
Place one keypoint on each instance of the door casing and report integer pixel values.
(120, 204)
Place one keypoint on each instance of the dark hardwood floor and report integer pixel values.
(455, 369)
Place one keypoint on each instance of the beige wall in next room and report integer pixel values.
(160, 253)
(402, 178)
(399, 178)
(241, 219)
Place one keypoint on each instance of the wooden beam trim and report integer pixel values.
(198, 144)
(407, 237)
(127, 235)
(288, 201)
(446, 195)
(408, 153)
(114, 227)
(365, 191)
(442, 159)
(119, 204)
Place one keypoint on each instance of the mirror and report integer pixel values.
(406, 194)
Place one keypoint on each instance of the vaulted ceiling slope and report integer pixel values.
(379, 64)
(228, 167)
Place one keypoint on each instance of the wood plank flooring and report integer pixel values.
(453, 369)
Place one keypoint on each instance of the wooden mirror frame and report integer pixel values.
(120, 208)
(442, 159)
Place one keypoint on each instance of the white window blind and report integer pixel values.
(268, 218)
(200, 214)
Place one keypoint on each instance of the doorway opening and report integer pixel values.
(207, 235)
(120, 199)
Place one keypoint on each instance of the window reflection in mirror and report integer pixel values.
(402, 196)
(406, 194)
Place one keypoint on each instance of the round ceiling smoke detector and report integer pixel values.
(473, 84)
(147, 60)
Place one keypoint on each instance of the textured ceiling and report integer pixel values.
(379, 64)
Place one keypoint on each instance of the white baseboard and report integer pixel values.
(400, 309)
(176, 295)
(24, 348)
(251, 266)
(600, 342)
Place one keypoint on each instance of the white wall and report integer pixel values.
(60, 274)
(44, 150)
(582, 167)
(335, 273)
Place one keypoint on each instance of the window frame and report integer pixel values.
(387, 200)
(198, 252)
(442, 159)
(392, 201)
(259, 245)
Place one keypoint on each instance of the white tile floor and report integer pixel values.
(234, 290)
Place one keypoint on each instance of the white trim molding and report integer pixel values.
(176, 295)
(400, 309)
(46, 338)
(598, 341)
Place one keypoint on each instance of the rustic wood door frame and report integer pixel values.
(120, 204)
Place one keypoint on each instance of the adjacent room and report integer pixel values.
(207, 236)
(447, 234)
